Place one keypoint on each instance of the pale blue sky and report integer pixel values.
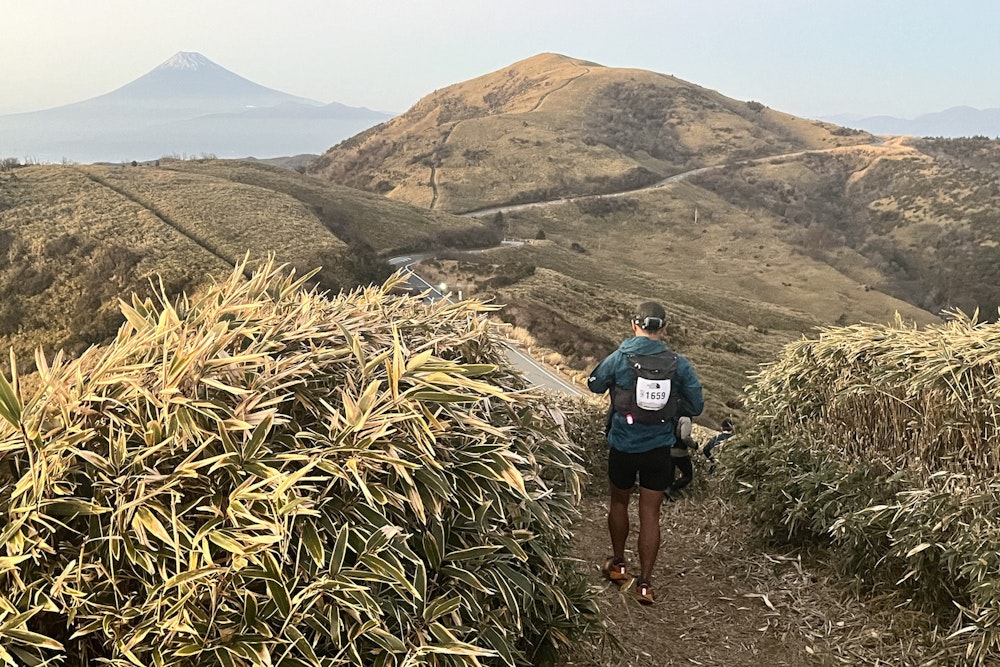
(806, 57)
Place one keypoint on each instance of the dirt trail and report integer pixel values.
(721, 602)
(538, 104)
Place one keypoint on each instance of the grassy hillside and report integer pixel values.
(360, 218)
(980, 153)
(74, 239)
(786, 224)
(736, 289)
(750, 255)
(754, 226)
(552, 126)
(927, 225)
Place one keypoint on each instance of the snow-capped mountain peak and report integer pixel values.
(188, 60)
(186, 105)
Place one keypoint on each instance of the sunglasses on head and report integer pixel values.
(650, 323)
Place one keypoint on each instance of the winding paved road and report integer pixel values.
(676, 178)
(536, 374)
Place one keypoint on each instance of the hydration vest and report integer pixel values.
(651, 399)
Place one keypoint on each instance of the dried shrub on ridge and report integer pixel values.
(881, 443)
(268, 476)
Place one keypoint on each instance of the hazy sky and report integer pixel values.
(807, 57)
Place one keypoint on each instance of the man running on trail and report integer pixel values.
(650, 388)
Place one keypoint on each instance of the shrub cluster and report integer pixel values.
(585, 421)
(883, 444)
(268, 476)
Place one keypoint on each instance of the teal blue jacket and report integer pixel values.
(614, 370)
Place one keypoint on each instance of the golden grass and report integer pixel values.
(861, 231)
(226, 217)
(551, 126)
(74, 247)
(386, 226)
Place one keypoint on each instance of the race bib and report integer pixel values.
(651, 394)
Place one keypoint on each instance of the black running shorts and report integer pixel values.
(652, 467)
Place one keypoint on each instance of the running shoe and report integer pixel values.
(614, 570)
(644, 593)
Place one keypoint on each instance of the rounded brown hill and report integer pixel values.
(553, 126)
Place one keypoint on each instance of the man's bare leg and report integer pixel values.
(618, 525)
(649, 530)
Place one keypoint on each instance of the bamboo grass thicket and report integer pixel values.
(268, 475)
(882, 443)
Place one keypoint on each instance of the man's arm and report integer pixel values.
(690, 402)
(603, 377)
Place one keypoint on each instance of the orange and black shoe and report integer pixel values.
(614, 570)
(644, 593)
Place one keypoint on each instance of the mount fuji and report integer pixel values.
(187, 106)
